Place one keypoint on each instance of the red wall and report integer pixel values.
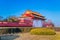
(21, 23)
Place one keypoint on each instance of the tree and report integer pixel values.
(1, 18)
(11, 19)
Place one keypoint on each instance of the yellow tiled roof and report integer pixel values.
(33, 13)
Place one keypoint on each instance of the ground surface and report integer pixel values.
(27, 36)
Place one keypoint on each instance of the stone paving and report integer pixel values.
(27, 36)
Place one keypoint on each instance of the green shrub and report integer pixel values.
(43, 31)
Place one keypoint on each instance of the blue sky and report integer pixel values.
(48, 8)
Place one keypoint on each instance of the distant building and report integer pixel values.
(30, 15)
(28, 19)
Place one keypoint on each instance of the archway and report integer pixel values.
(37, 23)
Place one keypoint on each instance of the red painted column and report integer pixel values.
(43, 23)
